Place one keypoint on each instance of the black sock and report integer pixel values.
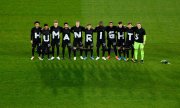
(63, 51)
(132, 53)
(74, 52)
(103, 52)
(48, 52)
(33, 51)
(124, 53)
(115, 50)
(39, 50)
(91, 52)
(81, 51)
(109, 51)
(119, 52)
(57, 51)
(43, 51)
(127, 52)
(69, 50)
(53, 51)
(98, 51)
(86, 52)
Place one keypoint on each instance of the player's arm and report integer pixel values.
(144, 41)
(72, 29)
(31, 36)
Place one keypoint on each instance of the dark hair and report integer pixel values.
(45, 25)
(65, 23)
(110, 22)
(129, 23)
(36, 22)
(120, 22)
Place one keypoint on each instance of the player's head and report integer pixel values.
(101, 23)
(138, 25)
(36, 24)
(89, 26)
(111, 24)
(129, 25)
(55, 23)
(77, 23)
(66, 25)
(46, 26)
(120, 24)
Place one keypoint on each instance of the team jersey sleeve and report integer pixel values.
(144, 32)
(50, 29)
(95, 30)
(32, 34)
(83, 28)
(72, 30)
(60, 29)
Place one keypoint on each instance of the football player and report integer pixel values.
(89, 41)
(45, 41)
(111, 39)
(140, 40)
(121, 40)
(36, 39)
(77, 31)
(55, 38)
(100, 29)
(130, 41)
(66, 33)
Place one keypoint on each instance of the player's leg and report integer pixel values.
(103, 52)
(86, 51)
(63, 48)
(39, 49)
(74, 49)
(53, 47)
(48, 47)
(91, 49)
(124, 53)
(119, 52)
(97, 50)
(81, 49)
(136, 47)
(69, 50)
(115, 50)
(33, 50)
(127, 48)
(43, 50)
(57, 47)
(109, 49)
(142, 52)
(132, 53)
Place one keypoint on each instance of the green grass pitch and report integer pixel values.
(90, 84)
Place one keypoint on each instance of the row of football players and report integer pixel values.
(135, 38)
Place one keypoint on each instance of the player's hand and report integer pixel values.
(31, 42)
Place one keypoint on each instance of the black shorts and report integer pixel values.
(55, 43)
(77, 42)
(101, 43)
(88, 44)
(46, 45)
(120, 44)
(111, 43)
(36, 43)
(66, 43)
(129, 45)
